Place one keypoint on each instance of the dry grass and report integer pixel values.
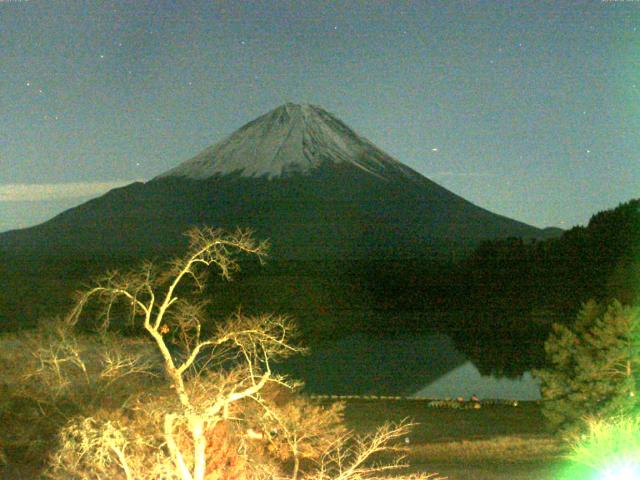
(496, 442)
(505, 449)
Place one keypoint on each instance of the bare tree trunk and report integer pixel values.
(175, 453)
(296, 465)
(199, 447)
(170, 368)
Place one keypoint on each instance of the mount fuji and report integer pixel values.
(292, 139)
(296, 175)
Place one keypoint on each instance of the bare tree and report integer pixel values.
(299, 430)
(52, 374)
(197, 427)
(349, 457)
(252, 342)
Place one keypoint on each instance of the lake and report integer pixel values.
(426, 365)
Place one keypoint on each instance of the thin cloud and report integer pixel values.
(23, 192)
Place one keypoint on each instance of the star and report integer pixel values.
(28, 84)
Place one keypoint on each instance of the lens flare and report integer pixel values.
(610, 450)
(622, 471)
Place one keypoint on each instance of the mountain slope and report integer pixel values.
(296, 175)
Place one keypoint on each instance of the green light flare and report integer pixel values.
(622, 471)
(616, 470)
(610, 451)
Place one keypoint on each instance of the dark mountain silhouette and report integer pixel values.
(298, 176)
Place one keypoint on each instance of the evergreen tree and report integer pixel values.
(593, 366)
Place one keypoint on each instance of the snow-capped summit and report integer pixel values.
(291, 139)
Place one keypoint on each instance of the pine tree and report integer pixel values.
(593, 366)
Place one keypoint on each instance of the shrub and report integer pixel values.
(593, 366)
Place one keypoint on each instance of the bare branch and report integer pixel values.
(172, 429)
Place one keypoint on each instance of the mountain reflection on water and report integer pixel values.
(426, 365)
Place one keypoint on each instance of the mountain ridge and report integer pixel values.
(297, 175)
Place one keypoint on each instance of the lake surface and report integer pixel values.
(425, 365)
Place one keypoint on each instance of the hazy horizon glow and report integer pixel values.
(54, 191)
(25, 205)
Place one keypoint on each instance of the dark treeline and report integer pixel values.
(513, 291)
(499, 302)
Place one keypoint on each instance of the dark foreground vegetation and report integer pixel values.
(497, 302)
(521, 289)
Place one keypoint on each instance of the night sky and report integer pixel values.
(529, 109)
